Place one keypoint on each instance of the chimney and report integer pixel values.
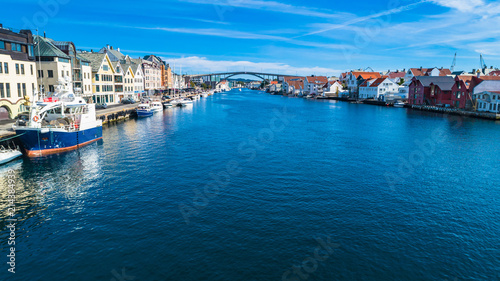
(1, 25)
(118, 49)
(44, 35)
(111, 47)
(107, 46)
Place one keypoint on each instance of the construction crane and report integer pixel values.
(483, 64)
(454, 63)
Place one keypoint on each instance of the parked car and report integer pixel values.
(101, 106)
(128, 101)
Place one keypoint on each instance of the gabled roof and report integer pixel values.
(427, 71)
(394, 75)
(377, 82)
(489, 86)
(95, 59)
(367, 83)
(294, 78)
(320, 80)
(436, 80)
(114, 54)
(45, 48)
(366, 75)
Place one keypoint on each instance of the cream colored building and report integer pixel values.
(53, 66)
(103, 90)
(17, 72)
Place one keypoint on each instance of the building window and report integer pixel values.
(62, 73)
(22, 69)
(6, 68)
(97, 78)
(2, 93)
(1, 68)
(105, 68)
(17, 68)
(19, 89)
(31, 67)
(51, 88)
(7, 89)
(50, 73)
(97, 88)
(24, 89)
(33, 88)
(2, 45)
(40, 73)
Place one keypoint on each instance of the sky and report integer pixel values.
(300, 37)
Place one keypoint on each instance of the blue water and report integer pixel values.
(243, 185)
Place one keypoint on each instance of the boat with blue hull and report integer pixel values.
(145, 110)
(59, 123)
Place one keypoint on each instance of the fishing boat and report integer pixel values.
(58, 123)
(156, 106)
(144, 110)
(8, 154)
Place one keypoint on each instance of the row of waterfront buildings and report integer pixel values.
(439, 87)
(32, 65)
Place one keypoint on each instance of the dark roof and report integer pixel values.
(94, 58)
(45, 48)
(444, 82)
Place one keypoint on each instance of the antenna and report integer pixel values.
(454, 63)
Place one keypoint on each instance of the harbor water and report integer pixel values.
(249, 186)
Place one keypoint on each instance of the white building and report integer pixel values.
(333, 89)
(487, 96)
(378, 89)
(314, 84)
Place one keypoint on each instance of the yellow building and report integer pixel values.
(103, 78)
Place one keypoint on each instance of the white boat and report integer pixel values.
(156, 106)
(167, 104)
(7, 155)
(205, 95)
(399, 104)
(144, 110)
(187, 101)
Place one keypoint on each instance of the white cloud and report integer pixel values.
(222, 7)
(202, 65)
(461, 5)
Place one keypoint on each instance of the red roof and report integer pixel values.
(317, 79)
(366, 75)
(377, 82)
(427, 71)
(394, 75)
(274, 82)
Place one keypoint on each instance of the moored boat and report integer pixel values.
(144, 110)
(60, 123)
(7, 154)
(156, 106)
(399, 104)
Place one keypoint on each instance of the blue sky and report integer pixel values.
(293, 37)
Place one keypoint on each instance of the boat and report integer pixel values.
(144, 110)
(399, 104)
(187, 101)
(156, 106)
(167, 104)
(59, 123)
(8, 154)
(205, 95)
